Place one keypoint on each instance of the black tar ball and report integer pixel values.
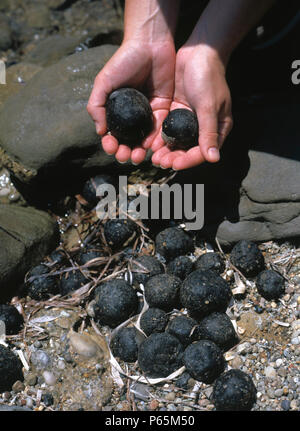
(129, 116)
(204, 292)
(12, 318)
(115, 302)
(217, 327)
(41, 287)
(89, 253)
(144, 267)
(182, 327)
(210, 261)
(180, 129)
(173, 242)
(119, 232)
(10, 369)
(89, 191)
(153, 320)
(204, 361)
(160, 355)
(124, 344)
(247, 258)
(270, 284)
(72, 281)
(234, 391)
(181, 267)
(162, 291)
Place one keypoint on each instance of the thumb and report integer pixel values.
(208, 135)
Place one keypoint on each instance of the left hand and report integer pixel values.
(200, 85)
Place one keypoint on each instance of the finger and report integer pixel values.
(225, 127)
(110, 144)
(156, 158)
(158, 118)
(138, 155)
(123, 154)
(191, 158)
(168, 159)
(96, 103)
(208, 135)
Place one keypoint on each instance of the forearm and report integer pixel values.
(150, 20)
(223, 24)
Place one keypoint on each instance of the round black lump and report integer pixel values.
(182, 328)
(270, 284)
(204, 361)
(181, 267)
(210, 261)
(162, 291)
(10, 369)
(119, 232)
(173, 242)
(71, 281)
(12, 318)
(58, 257)
(180, 129)
(234, 391)
(217, 327)
(89, 191)
(204, 292)
(125, 343)
(144, 267)
(160, 355)
(129, 116)
(115, 302)
(153, 320)
(89, 253)
(40, 285)
(247, 258)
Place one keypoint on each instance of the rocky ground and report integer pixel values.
(64, 352)
(65, 355)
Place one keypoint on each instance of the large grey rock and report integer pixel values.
(46, 134)
(26, 236)
(254, 191)
(52, 49)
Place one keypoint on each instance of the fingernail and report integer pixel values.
(213, 152)
(156, 166)
(122, 163)
(135, 164)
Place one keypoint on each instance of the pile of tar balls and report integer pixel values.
(170, 338)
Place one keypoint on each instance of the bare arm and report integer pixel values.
(224, 24)
(146, 61)
(200, 82)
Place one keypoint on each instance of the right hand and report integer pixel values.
(148, 67)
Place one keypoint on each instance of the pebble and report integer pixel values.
(29, 402)
(153, 405)
(237, 362)
(278, 393)
(18, 386)
(49, 378)
(31, 379)
(61, 364)
(170, 396)
(285, 405)
(279, 362)
(40, 359)
(270, 372)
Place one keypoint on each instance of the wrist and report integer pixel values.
(150, 21)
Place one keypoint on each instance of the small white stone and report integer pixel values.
(279, 362)
(270, 372)
(49, 378)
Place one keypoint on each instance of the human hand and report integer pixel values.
(200, 85)
(148, 67)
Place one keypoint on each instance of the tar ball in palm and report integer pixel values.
(129, 116)
(180, 129)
